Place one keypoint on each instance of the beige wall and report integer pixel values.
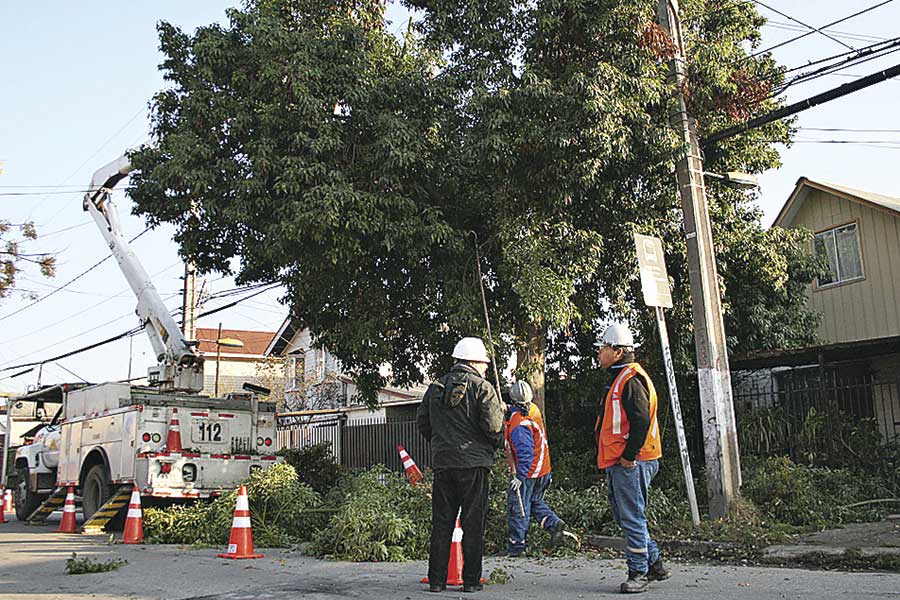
(233, 372)
(867, 308)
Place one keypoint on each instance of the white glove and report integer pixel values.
(515, 484)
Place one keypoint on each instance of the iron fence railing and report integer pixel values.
(359, 444)
(830, 421)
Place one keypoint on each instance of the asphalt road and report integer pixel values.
(32, 567)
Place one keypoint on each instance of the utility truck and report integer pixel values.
(164, 439)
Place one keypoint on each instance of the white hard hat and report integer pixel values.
(471, 348)
(617, 334)
(520, 393)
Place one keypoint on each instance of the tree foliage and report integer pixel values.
(14, 259)
(361, 168)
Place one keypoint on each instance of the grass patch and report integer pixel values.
(83, 566)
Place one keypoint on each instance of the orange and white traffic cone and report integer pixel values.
(455, 564)
(173, 439)
(134, 521)
(412, 471)
(67, 525)
(240, 544)
(7, 501)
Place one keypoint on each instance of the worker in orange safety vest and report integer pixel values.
(529, 457)
(628, 448)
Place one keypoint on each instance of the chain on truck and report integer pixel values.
(105, 439)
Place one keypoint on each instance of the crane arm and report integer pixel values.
(178, 359)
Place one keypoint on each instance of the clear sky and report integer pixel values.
(77, 80)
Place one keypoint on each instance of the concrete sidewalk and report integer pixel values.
(32, 567)
(866, 539)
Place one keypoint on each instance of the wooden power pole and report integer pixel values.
(723, 468)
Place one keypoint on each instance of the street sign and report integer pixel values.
(655, 284)
(654, 278)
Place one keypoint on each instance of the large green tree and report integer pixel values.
(361, 169)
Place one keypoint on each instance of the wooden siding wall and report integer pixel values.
(868, 308)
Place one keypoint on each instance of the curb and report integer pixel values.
(700, 547)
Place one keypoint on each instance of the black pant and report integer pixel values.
(455, 488)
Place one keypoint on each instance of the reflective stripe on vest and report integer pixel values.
(612, 429)
(540, 463)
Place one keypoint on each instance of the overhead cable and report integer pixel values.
(71, 281)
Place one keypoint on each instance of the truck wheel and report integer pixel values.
(25, 500)
(95, 490)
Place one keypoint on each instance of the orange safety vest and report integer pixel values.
(540, 464)
(612, 432)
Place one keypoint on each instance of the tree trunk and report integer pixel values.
(531, 357)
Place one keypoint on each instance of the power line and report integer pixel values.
(71, 281)
(847, 35)
(133, 331)
(792, 109)
(814, 29)
(847, 18)
(96, 152)
(848, 130)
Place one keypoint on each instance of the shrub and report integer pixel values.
(315, 466)
(278, 511)
(812, 496)
(380, 517)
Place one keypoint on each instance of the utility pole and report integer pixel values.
(723, 469)
(189, 301)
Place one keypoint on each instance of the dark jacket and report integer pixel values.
(636, 403)
(461, 416)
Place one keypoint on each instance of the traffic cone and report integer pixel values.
(173, 439)
(455, 564)
(134, 521)
(240, 544)
(7, 501)
(67, 525)
(412, 471)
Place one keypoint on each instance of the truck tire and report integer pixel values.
(25, 500)
(96, 489)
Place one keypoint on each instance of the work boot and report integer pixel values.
(557, 532)
(472, 587)
(637, 582)
(658, 571)
(436, 587)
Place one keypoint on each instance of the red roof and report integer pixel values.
(255, 342)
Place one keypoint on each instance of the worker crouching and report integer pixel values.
(529, 457)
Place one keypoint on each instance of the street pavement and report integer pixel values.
(32, 567)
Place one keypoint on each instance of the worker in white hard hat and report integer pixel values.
(529, 458)
(462, 417)
(628, 448)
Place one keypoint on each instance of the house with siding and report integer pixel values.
(315, 381)
(232, 366)
(856, 365)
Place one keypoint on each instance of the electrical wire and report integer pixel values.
(71, 281)
(133, 331)
(91, 157)
(814, 30)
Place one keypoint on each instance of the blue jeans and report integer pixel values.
(533, 501)
(628, 501)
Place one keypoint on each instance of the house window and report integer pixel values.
(297, 375)
(840, 247)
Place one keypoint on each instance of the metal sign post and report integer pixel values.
(655, 285)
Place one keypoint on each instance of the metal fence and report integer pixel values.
(359, 444)
(827, 419)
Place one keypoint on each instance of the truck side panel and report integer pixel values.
(70, 457)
